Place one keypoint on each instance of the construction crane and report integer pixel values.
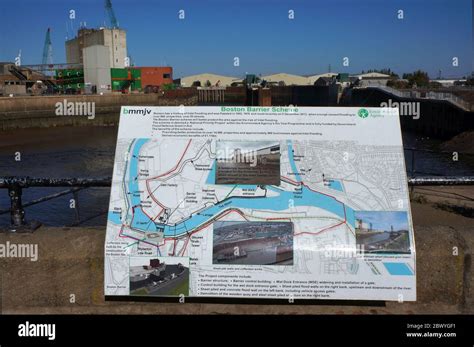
(111, 14)
(48, 49)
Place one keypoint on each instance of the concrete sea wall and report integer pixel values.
(39, 111)
(71, 265)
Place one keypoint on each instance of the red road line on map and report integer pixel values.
(319, 232)
(166, 173)
(141, 208)
(231, 210)
(152, 196)
(187, 239)
(330, 196)
(291, 181)
(121, 231)
(158, 214)
(176, 166)
(174, 248)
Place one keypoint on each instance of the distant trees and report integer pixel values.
(398, 84)
(418, 78)
(470, 82)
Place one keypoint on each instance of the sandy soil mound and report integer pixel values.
(463, 143)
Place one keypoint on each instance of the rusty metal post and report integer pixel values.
(17, 213)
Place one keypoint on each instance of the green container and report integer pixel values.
(73, 80)
(118, 73)
(75, 73)
(118, 85)
(343, 77)
(136, 85)
(136, 74)
(69, 73)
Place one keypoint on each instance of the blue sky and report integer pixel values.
(259, 33)
(383, 220)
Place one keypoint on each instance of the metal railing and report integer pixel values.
(15, 186)
(417, 94)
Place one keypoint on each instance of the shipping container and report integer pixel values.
(70, 80)
(136, 85)
(68, 73)
(136, 74)
(119, 85)
(117, 73)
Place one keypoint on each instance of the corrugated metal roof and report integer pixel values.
(314, 78)
(373, 75)
(187, 81)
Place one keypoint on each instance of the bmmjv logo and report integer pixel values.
(143, 112)
(363, 113)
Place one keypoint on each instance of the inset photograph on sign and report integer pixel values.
(252, 243)
(382, 231)
(248, 162)
(159, 276)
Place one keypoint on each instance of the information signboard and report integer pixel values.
(260, 202)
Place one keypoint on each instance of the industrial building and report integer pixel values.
(103, 55)
(19, 80)
(156, 76)
(99, 51)
(115, 41)
(202, 80)
(158, 278)
(372, 79)
(313, 78)
(285, 79)
(97, 61)
(363, 226)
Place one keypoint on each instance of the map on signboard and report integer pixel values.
(260, 202)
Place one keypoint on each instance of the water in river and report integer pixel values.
(58, 153)
(89, 152)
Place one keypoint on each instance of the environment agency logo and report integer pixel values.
(363, 113)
